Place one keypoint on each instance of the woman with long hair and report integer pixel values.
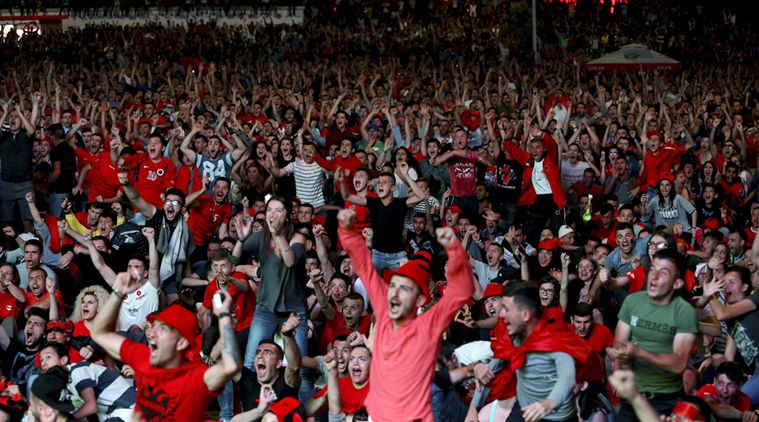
(668, 208)
(403, 155)
(280, 252)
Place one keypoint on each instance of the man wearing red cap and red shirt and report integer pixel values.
(403, 339)
(169, 386)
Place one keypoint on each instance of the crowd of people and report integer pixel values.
(399, 217)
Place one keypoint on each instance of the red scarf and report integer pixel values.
(548, 336)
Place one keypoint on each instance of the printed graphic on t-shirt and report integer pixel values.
(155, 403)
(668, 213)
(744, 343)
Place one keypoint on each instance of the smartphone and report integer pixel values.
(218, 299)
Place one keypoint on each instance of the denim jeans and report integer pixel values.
(751, 389)
(265, 324)
(387, 260)
(227, 401)
(54, 207)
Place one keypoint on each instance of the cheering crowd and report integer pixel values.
(357, 223)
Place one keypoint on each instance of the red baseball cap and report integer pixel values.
(492, 289)
(180, 319)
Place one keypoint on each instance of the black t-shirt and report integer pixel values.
(387, 224)
(250, 389)
(16, 155)
(745, 332)
(64, 154)
(504, 179)
(703, 212)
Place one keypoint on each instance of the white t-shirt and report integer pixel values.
(571, 174)
(137, 305)
(539, 179)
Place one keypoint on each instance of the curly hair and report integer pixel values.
(100, 294)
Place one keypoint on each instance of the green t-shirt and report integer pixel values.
(653, 329)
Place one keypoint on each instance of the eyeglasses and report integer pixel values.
(544, 290)
(172, 203)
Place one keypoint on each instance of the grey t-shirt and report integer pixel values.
(548, 375)
(676, 212)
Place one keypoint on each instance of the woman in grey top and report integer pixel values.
(280, 253)
(670, 209)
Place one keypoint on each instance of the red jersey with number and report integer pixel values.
(244, 302)
(206, 217)
(177, 394)
(154, 178)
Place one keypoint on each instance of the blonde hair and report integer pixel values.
(100, 294)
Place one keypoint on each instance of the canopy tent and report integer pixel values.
(632, 58)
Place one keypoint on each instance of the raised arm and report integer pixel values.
(185, 146)
(317, 278)
(134, 197)
(155, 263)
(292, 353)
(355, 244)
(230, 364)
(346, 194)
(103, 329)
(33, 208)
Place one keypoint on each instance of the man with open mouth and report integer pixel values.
(170, 386)
(406, 345)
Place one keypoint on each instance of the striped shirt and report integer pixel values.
(113, 392)
(309, 182)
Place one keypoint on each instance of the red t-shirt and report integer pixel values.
(84, 157)
(31, 299)
(104, 177)
(637, 279)
(464, 174)
(206, 217)
(337, 327)
(599, 339)
(595, 190)
(348, 165)
(177, 394)
(183, 179)
(154, 178)
(352, 398)
(244, 302)
(363, 218)
(8, 305)
(80, 330)
(740, 400)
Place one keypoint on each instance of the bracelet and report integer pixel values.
(224, 314)
(119, 294)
